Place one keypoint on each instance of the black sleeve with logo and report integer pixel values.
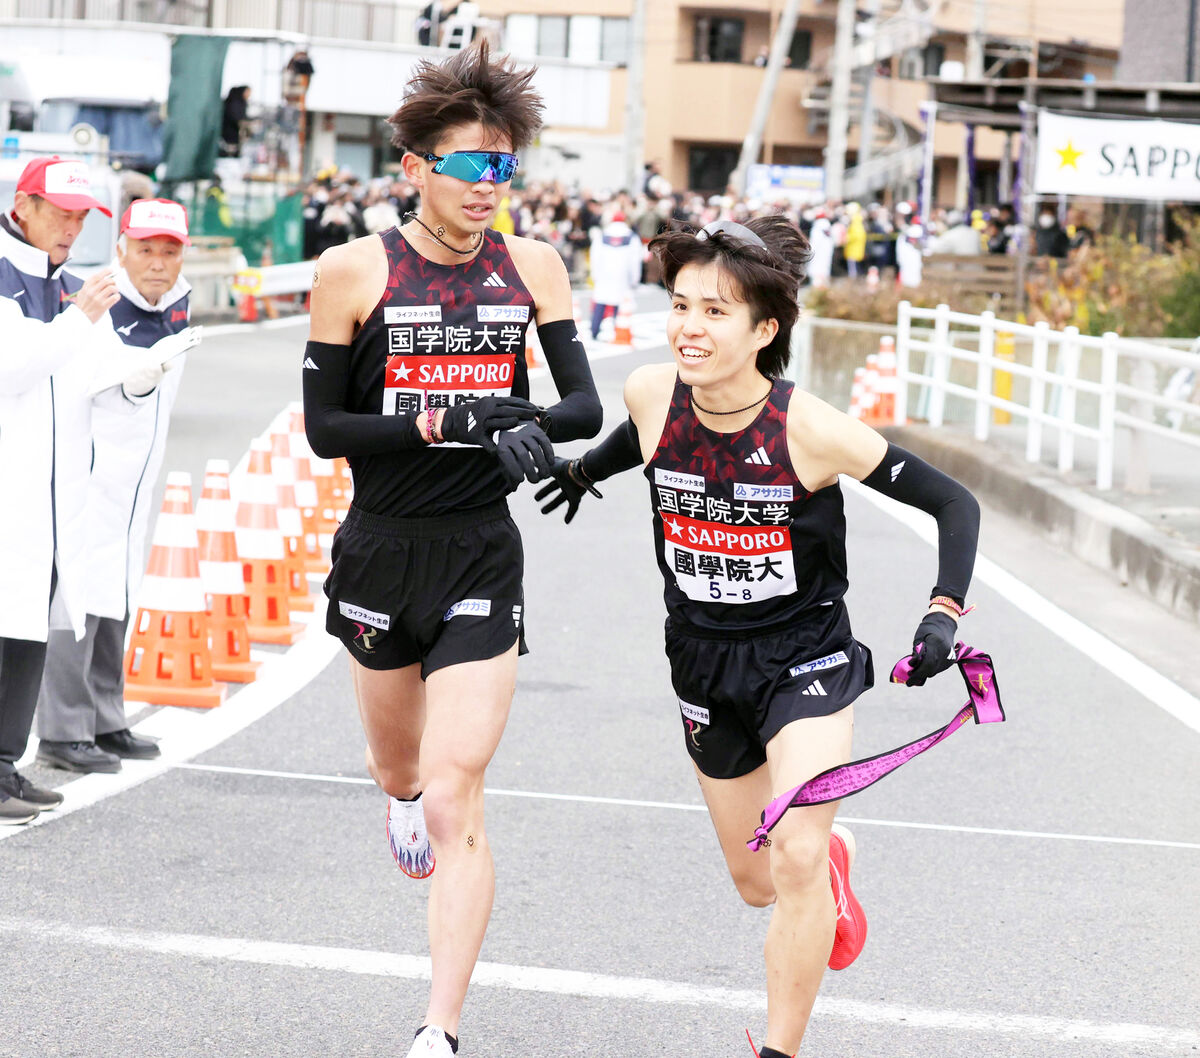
(909, 479)
(332, 430)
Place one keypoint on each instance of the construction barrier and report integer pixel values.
(262, 553)
(169, 661)
(221, 577)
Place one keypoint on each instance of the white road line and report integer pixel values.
(1144, 679)
(186, 733)
(597, 986)
(1036, 835)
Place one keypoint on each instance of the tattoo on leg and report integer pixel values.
(317, 276)
(470, 841)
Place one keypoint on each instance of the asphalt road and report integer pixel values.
(1032, 888)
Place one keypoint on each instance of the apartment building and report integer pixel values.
(701, 79)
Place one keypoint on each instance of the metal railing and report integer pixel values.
(1124, 390)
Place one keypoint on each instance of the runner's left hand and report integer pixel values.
(933, 647)
(525, 453)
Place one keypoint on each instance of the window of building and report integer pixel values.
(521, 35)
(800, 53)
(933, 56)
(709, 168)
(614, 40)
(552, 36)
(580, 38)
(719, 39)
(584, 38)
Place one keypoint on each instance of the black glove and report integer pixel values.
(565, 488)
(525, 452)
(933, 647)
(476, 423)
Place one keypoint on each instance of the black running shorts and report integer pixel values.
(736, 692)
(439, 591)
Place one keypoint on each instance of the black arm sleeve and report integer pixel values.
(909, 479)
(619, 451)
(579, 412)
(332, 431)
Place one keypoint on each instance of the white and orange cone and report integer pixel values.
(858, 394)
(885, 406)
(291, 525)
(262, 553)
(623, 332)
(169, 661)
(221, 576)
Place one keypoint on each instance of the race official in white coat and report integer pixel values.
(81, 721)
(57, 343)
(615, 261)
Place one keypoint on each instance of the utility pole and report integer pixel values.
(635, 103)
(781, 44)
(975, 42)
(839, 102)
(866, 128)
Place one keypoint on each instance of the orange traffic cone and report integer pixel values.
(885, 408)
(623, 332)
(168, 661)
(248, 309)
(871, 394)
(261, 550)
(307, 498)
(291, 525)
(221, 577)
(858, 394)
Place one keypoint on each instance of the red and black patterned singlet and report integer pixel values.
(440, 335)
(741, 543)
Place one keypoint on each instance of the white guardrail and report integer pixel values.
(1053, 391)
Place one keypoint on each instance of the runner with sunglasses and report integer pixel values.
(750, 535)
(415, 371)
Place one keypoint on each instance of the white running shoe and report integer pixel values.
(407, 838)
(432, 1042)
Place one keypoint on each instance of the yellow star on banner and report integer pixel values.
(1068, 155)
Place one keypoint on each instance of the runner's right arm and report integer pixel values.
(621, 450)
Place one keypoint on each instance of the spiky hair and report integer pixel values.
(467, 87)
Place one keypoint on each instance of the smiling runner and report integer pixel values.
(750, 536)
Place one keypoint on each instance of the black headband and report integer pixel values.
(732, 230)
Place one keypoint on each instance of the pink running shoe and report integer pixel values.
(407, 838)
(851, 932)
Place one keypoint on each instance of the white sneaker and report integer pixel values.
(407, 838)
(432, 1042)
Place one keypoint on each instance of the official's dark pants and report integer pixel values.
(21, 664)
(83, 690)
(598, 313)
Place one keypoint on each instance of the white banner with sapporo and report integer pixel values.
(1112, 158)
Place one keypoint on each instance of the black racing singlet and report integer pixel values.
(440, 335)
(742, 545)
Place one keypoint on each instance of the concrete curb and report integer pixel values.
(1095, 530)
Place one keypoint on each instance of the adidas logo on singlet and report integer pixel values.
(815, 688)
(494, 280)
(759, 458)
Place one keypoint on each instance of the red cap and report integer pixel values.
(618, 217)
(65, 184)
(147, 217)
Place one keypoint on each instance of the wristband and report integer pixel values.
(950, 604)
(435, 432)
(578, 475)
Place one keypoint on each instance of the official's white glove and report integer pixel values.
(174, 345)
(148, 374)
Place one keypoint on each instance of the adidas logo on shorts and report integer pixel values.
(816, 689)
(516, 611)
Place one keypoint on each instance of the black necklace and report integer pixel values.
(478, 236)
(697, 404)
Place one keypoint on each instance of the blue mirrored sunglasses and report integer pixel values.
(475, 166)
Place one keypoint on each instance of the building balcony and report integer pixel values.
(714, 102)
